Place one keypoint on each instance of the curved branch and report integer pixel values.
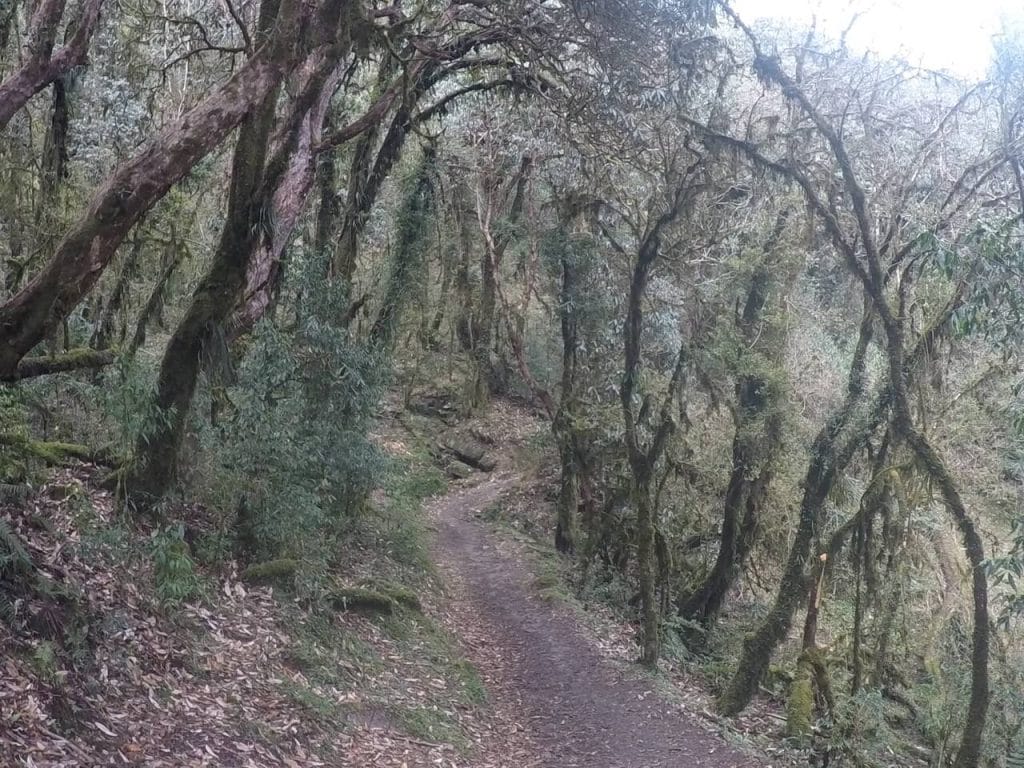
(44, 65)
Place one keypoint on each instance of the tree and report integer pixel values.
(134, 187)
(44, 65)
(863, 255)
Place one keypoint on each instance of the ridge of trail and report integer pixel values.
(577, 708)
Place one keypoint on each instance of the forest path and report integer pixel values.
(576, 708)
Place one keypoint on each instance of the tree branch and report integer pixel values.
(75, 360)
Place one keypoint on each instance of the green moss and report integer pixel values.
(800, 704)
(272, 571)
(404, 596)
(50, 452)
(361, 600)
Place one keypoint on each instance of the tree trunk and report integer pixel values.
(86, 249)
(103, 330)
(830, 454)
(155, 300)
(44, 65)
(407, 264)
(563, 427)
(214, 298)
(757, 440)
(291, 189)
(328, 214)
(642, 459)
(865, 261)
(645, 553)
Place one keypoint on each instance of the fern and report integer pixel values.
(1015, 757)
(13, 493)
(8, 610)
(14, 558)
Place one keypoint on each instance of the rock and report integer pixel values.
(471, 453)
(404, 596)
(458, 470)
(436, 406)
(481, 436)
(375, 598)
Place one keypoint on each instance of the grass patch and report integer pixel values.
(470, 683)
(550, 584)
(421, 638)
(397, 527)
(312, 701)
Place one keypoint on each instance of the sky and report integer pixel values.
(937, 34)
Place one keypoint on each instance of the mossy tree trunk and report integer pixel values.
(574, 258)
(563, 426)
(757, 440)
(407, 267)
(644, 455)
(831, 452)
(863, 253)
(113, 308)
(86, 249)
(214, 298)
(287, 189)
(491, 197)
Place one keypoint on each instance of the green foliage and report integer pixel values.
(1006, 570)
(860, 720)
(412, 224)
(14, 464)
(296, 444)
(174, 572)
(993, 308)
(398, 526)
(45, 661)
(125, 398)
(15, 561)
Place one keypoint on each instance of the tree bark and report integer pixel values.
(830, 454)
(44, 65)
(87, 248)
(216, 295)
(104, 328)
(642, 459)
(756, 442)
(562, 425)
(265, 269)
(73, 360)
(873, 276)
(407, 264)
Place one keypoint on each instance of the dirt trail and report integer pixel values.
(578, 710)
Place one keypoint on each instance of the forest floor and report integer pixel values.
(495, 666)
(563, 690)
(579, 709)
